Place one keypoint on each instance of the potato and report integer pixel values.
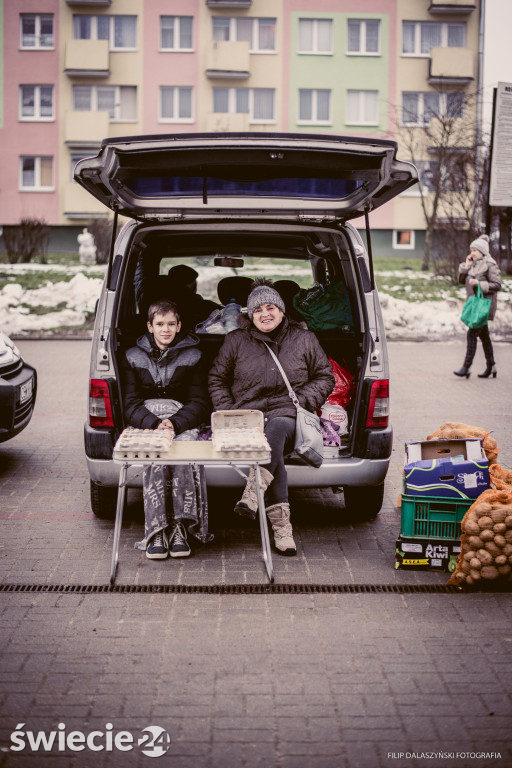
(499, 540)
(499, 527)
(508, 536)
(470, 555)
(500, 560)
(475, 542)
(493, 548)
(484, 556)
(504, 570)
(483, 508)
(465, 566)
(470, 580)
(474, 574)
(507, 550)
(489, 572)
(487, 535)
(476, 563)
(470, 525)
(498, 515)
(485, 522)
(508, 521)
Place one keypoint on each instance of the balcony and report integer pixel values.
(86, 127)
(227, 123)
(87, 58)
(228, 3)
(451, 66)
(452, 7)
(228, 60)
(79, 204)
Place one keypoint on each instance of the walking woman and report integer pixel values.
(244, 375)
(480, 267)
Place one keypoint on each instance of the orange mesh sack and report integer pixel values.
(455, 430)
(501, 478)
(486, 542)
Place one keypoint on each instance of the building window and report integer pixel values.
(420, 108)
(259, 33)
(36, 102)
(36, 31)
(363, 37)
(418, 37)
(36, 173)
(258, 103)
(176, 33)
(175, 104)
(362, 108)
(403, 239)
(315, 36)
(120, 31)
(120, 101)
(314, 106)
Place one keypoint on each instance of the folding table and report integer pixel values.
(195, 453)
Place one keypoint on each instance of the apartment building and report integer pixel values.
(74, 72)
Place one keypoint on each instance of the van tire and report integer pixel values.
(365, 501)
(103, 500)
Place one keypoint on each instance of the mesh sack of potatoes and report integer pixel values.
(501, 478)
(454, 430)
(486, 542)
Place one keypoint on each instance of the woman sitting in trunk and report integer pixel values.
(244, 375)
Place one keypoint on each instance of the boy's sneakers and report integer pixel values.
(178, 544)
(157, 548)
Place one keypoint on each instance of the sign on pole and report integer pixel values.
(500, 194)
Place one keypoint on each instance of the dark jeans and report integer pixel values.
(471, 343)
(280, 433)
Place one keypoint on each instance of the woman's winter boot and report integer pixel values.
(279, 516)
(248, 504)
(489, 371)
(464, 371)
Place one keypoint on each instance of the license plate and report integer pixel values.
(26, 391)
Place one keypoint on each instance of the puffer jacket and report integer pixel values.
(244, 375)
(487, 272)
(174, 374)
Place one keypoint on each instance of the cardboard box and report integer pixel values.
(446, 468)
(427, 554)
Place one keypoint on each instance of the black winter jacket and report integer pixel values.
(244, 375)
(175, 374)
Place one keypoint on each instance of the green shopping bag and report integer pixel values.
(475, 312)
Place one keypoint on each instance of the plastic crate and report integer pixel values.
(432, 517)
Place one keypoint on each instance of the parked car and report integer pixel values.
(242, 203)
(18, 386)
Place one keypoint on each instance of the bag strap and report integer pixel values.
(479, 291)
(291, 393)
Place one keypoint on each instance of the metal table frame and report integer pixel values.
(195, 453)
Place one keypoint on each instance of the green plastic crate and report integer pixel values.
(433, 517)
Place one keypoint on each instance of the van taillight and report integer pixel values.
(100, 408)
(378, 407)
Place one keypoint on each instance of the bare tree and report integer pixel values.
(27, 239)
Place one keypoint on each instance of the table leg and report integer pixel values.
(121, 497)
(265, 541)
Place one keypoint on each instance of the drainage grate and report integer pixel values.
(243, 589)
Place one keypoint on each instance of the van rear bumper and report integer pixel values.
(333, 472)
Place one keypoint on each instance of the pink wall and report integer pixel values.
(31, 68)
(166, 68)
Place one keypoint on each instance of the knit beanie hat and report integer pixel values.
(263, 293)
(481, 244)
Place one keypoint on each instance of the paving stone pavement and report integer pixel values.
(285, 680)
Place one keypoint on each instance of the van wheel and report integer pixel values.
(364, 501)
(103, 500)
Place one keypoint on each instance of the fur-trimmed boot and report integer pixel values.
(248, 504)
(279, 516)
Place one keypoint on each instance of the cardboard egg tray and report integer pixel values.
(142, 444)
(239, 432)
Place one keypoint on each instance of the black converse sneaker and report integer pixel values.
(178, 544)
(157, 548)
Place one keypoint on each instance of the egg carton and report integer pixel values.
(142, 444)
(240, 431)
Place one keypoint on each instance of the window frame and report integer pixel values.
(177, 33)
(232, 102)
(314, 50)
(407, 246)
(112, 47)
(37, 117)
(314, 107)
(443, 107)
(176, 101)
(37, 187)
(361, 107)
(117, 101)
(255, 32)
(362, 50)
(38, 18)
(444, 36)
